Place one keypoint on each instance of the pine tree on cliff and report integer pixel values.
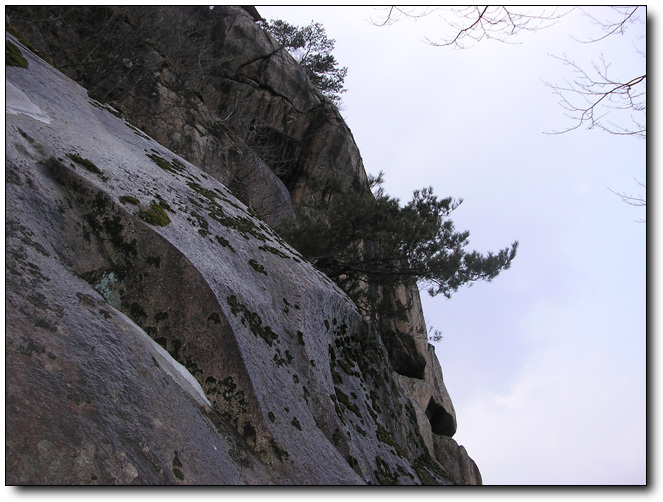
(311, 48)
(371, 239)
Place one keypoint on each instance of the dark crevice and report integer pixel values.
(441, 421)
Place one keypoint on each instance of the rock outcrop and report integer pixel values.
(158, 330)
(210, 85)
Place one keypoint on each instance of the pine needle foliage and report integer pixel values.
(372, 238)
(311, 48)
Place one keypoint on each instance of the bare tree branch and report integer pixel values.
(463, 32)
(592, 97)
(588, 99)
(611, 28)
(472, 24)
(633, 200)
(395, 14)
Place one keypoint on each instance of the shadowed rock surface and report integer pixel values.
(157, 330)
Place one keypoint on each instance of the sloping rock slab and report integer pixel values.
(114, 243)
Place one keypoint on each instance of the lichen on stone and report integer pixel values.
(106, 288)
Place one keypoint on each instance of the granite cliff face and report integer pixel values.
(211, 86)
(158, 330)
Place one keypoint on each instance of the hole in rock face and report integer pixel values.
(441, 422)
(405, 359)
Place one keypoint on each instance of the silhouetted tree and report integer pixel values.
(311, 48)
(372, 239)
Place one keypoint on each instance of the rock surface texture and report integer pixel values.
(158, 331)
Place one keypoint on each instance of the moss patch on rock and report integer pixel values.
(385, 436)
(201, 223)
(343, 399)
(257, 266)
(20, 37)
(245, 226)
(429, 470)
(86, 163)
(273, 250)
(13, 56)
(252, 320)
(224, 242)
(174, 166)
(384, 474)
(154, 215)
(128, 199)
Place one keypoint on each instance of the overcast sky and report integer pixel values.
(546, 364)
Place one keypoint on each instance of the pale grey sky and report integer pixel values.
(546, 364)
